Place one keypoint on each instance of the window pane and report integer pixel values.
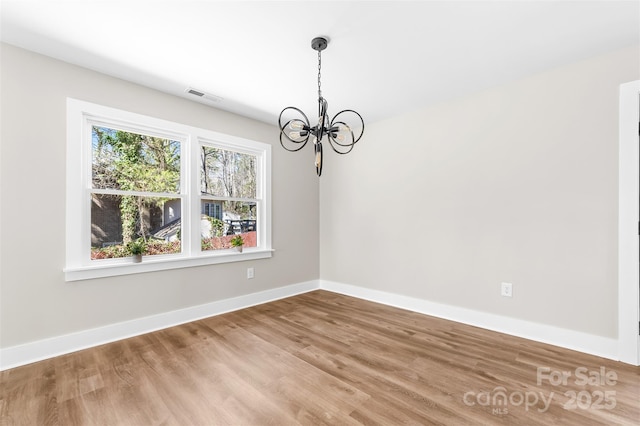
(119, 219)
(133, 162)
(227, 173)
(238, 218)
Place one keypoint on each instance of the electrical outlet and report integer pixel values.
(506, 290)
(250, 273)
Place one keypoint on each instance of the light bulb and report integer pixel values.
(298, 134)
(318, 158)
(336, 134)
(296, 125)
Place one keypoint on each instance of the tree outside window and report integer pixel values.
(134, 179)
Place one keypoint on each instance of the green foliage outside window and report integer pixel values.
(127, 161)
(217, 227)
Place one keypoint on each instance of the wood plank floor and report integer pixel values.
(321, 358)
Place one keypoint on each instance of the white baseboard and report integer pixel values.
(16, 356)
(569, 339)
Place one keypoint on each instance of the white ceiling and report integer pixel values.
(384, 57)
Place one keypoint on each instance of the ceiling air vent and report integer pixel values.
(195, 92)
(203, 95)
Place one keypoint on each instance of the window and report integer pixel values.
(228, 188)
(182, 190)
(212, 210)
(135, 192)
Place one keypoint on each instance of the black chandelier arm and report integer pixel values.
(303, 130)
(296, 125)
(334, 123)
(342, 151)
(303, 143)
(338, 147)
(305, 121)
(337, 126)
(333, 132)
(323, 118)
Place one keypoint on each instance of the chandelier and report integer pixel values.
(295, 130)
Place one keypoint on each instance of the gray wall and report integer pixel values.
(518, 184)
(36, 302)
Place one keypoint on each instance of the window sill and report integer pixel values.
(151, 264)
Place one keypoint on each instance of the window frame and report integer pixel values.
(81, 116)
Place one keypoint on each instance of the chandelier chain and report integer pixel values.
(319, 68)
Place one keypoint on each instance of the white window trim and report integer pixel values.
(80, 114)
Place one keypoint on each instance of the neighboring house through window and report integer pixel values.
(212, 210)
(184, 191)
